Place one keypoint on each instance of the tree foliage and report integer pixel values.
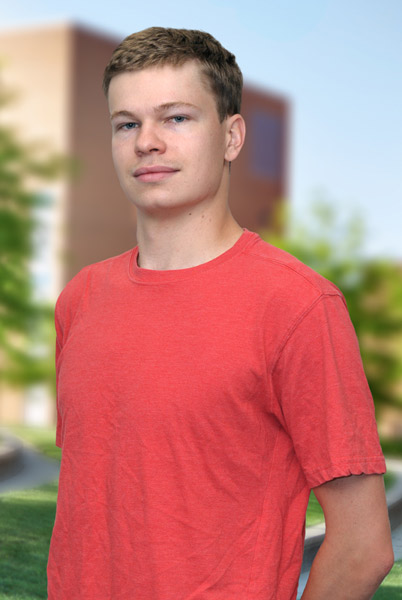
(22, 319)
(372, 288)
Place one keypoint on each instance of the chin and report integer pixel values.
(161, 206)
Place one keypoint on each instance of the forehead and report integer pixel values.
(157, 85)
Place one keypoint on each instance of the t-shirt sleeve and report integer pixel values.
(322, 396)
(68, 306)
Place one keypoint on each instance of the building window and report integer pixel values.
(266, 144)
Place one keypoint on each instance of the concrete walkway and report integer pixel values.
(31, 469)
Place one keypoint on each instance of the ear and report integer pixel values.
(236, 133)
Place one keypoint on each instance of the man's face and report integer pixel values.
(168, 145)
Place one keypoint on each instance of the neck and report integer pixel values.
(194, 237)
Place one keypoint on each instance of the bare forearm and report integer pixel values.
(357, 550)
(343, 575)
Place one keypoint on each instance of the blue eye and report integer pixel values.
(179, 119)
(129, 125)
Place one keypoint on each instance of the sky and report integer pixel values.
(338, 63)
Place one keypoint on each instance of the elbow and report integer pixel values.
(386, 560)
(378, 562)
(384, 553)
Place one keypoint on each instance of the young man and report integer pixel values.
(207, 381)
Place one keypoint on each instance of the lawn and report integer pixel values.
(26, 522)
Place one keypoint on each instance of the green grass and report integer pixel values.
(26, 523)
(314, 513)
(391, 587)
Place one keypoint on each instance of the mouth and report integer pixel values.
(155, 173)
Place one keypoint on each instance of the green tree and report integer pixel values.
(22, 318)
(372, 288)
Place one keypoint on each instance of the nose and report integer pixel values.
(149, 140)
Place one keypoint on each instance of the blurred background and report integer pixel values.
(319, 176)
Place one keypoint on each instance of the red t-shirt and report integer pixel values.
(196, 409)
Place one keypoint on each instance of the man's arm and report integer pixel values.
(356, 553)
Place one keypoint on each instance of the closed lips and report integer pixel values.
(156, 169)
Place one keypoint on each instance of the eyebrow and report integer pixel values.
(120, 113)
(169, 105)
(157, 109)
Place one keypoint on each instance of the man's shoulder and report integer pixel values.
(283, 271)
(92, 274)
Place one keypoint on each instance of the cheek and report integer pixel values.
(211, 152)
(213, 159)
(117, 156)
(217, 149)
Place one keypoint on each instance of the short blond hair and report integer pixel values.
(158, 46)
